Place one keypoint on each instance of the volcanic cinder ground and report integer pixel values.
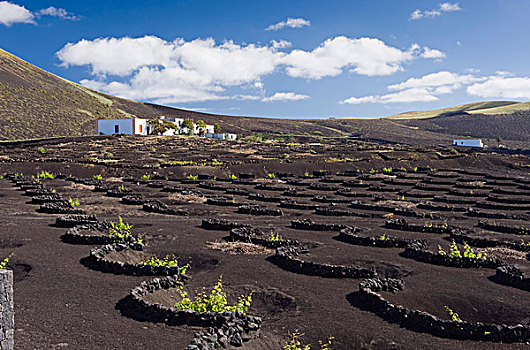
(60, 302)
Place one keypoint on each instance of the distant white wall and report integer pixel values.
(116, 126)
(468, 143)
(140, 126)
(221, 136)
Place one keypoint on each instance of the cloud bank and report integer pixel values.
(429, 87)
(150, 68)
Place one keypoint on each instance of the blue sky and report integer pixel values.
(281, 58)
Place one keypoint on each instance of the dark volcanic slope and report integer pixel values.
(514, 126)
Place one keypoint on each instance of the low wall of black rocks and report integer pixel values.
(47, 198)
(367, 206)
(483, 242)
(509, 200)
(403, 225)
(419, 252)
(348, 235)
(263, 198)
(97, 261)
(133, 199)
(437, 207)
(504, 228)
(74, 220)
(75, 235)
(287, 258)
(497, 206)
(333, 211)
(290, 204)
(221, 224)
(161, 208)
(222, 201)
(257, 210)
(223, 329)
(118, 192)
(511, 275)
(308, 224)
(257, 236)
(59, 208)
(474, 212)
(325, 199)
(270, 187)
(420, 321)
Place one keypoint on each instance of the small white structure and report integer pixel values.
(221, 136)
(130, 126)
(468, 143)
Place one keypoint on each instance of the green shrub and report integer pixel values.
(275, 238)
(4, 262)
(215, 302)
(41, 150)
(146, 177)
(317, 132)
(232, 177)
(74, 202)
(296, 344)
(120, 230)
(454, 316)
(98, 177)
(193, 177)
(45, 175)
(271, 176)
(469, 253)
(166, 261)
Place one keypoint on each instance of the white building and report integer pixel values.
(130, 126)
(139, 126)
(221, 136)
(468, 143)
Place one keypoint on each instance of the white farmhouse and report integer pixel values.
(139, 126)
(468, 143)
(130, 126)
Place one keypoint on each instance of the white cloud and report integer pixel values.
(434, 80)
(247, 97)
(290, 23)
(282, 44)
(442, 8)
(404, 96)
(450, 7)
(432, 53)
(150, 68)
(285, 96)
(502, 87)
(12, 13)
(423, 89)
(56, 12)
(365, 56)
(117, 56)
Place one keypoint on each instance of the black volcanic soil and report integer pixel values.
(60, 303)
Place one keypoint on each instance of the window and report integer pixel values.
(116, 129)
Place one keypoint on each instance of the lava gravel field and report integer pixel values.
(346, 239)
